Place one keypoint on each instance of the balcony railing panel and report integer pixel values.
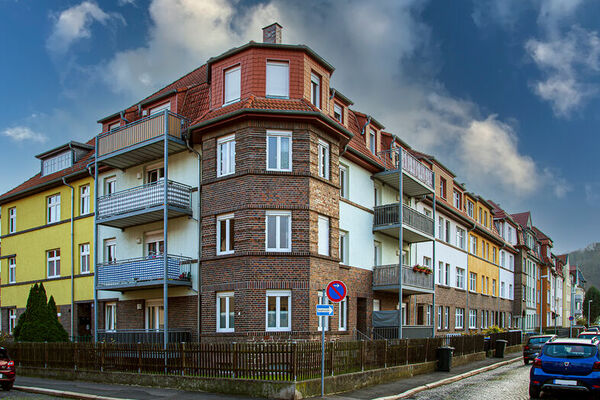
(139, 271)
(132, 336)
(140, 131)
(410, 164)
(387, 275)
(388, 215)
(145, 196)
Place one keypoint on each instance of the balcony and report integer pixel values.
(417, 178)
(385, 278)
(144, 204)
(134, 336)
(141, 141)
(416, 226)
(143, 273)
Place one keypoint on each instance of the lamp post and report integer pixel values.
(589, 316)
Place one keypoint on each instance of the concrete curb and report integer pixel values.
(64, 394)
(447, 381)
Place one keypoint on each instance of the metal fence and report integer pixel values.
(139, 271)
(410, 165)
(387, 275)
(388, 215)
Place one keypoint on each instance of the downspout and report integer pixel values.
(362, 131)
(72, 254)
(187, 143)
(122, 115)
(468, 312)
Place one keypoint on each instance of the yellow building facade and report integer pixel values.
(47, 239)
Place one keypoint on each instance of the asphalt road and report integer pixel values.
(15, 394)
(510, 382)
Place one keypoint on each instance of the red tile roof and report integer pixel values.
(562, 257)
(190, 79)
(521, 218)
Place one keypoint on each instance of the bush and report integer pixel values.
(39, 322)
(493, 329)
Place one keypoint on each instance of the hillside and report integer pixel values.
(589, 261)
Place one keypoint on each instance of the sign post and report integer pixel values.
(323, 350)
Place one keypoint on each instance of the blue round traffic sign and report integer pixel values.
(571, 318)
(336, 291)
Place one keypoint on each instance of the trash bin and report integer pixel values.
(500, 347)
(445, 358)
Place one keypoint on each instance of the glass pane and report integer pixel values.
(223, 234)
(284, 312)
(271, 232)
(272, 151)
(271, 312)
(231, 312)
(231, 235)
(285, 153)
(222, 312)
(283, 232)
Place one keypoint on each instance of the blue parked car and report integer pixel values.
(566, 364)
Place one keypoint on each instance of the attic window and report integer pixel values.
(278, 79)
(315, 89)
(338, 113)
(57, 163)
(372, 140)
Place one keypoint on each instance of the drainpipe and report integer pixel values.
(72, 255)
(122, 115)
(468, 275)
(187, 143)
(362, 131)
(433, 259)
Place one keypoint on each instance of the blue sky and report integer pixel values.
(504, 93)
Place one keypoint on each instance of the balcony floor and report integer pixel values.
(410, 185)
(407, 290)
(151, 284)
(140, 153)
(409, 234)
(143, 216)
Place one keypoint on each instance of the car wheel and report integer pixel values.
(534, 392)
(7, 386)
(526, 361)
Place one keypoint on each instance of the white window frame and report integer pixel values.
(110, 309)
(278, 215)
(53, 208)
(323, 229)
(279, 295)
(315, 89)
(84, 258)
(159, 108)
(322, 300)
(12, 270)
(376, 253)
(12, 220)
(230, 247)
(440, 273)
(108, 244)
(373, 140)
(343, 317)
(110, 185)
(323, 163)
(446, 317)
(153, 307)
(460, 278)
(114, 125)
(376, 305)
(12, 320)
(226, 155)
(338, 109)
(440, 314)
(228, 296)
(343, 176)
(460, 237)
(470, 208)
(237, 90)
(270, 90)
(459, 318)
(343, 249)
(457, 199)
(279, 137)
(472, 319)
(54, 259)
(84, 199)
(472, 282)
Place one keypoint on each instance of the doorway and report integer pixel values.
(361, 314)
(84, 319)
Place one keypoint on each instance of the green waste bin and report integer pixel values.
(500, 347)
(445, 358)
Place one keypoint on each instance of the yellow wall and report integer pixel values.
(30, 247)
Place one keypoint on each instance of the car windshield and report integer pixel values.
(538, 340)
(588, 335)
(569, 350)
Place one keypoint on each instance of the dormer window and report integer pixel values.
(114, 125)
(338, 113)
(233, 85)
(278, 80)
(57, 163)
(160, 108)
(372, 140)
(315, 89)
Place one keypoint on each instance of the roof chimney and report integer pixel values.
(272, 33)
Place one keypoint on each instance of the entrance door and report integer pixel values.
(84, 319)
(361, 314)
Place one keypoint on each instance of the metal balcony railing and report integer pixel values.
(410, 165)
(140, 271)
(387, 275)
(141, 130)
(145, 196)
(388, 215)
(133, 336)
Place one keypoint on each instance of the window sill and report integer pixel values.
(279, 170)
(279, 330)
(278, 250)
(54, 277)
(225, 253)
(230, 102)
(225, 330)
(227, 174)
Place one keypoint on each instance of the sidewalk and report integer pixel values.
(402, 385)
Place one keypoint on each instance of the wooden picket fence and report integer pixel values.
(272, 361)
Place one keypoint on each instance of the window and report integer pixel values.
(485, 222)
(344, 181)
(472, 281)
(323, 226)
(460, 237)
(447, 272)
(483, 288)
(429, 315)
(482, 319)
(440, 228)
(460, 278)
(53, 263)
(315, 89)
(12, 270)
(447, 318)
(225, 234)
(373, 141)
(487, 251)
(487, 285)
(279, 231)
(110, 185)
(279, 310)
(84, 258)
(457, 199)
(439, 317)
(343, 250)
(84, 199)
(376, 304)
(155, 174)
(323, 159)
(53, 210)
(459, 321)
(343, 320)
(12, 220)
(12, 320)
(338, 113)
(470, 207)
(233, 85)
(110, 316)
(493, 287)
(502, 259)
(279, 150)
(472, 319)
(510, 290)
(494, 255)
(155, 315)
(57, 163)
(427, 261)
(226, 155)
(278, 80)
(155, 244)
(473, 245)
(376, 253)
(440, 274)
(377, 195)
(322, 321)
(114, 125)
(502, 289)
(110, 251)
(160, 108)
(442, 188)
(225, 312)
(448, 231)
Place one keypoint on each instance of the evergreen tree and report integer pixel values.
(592, 294)
(39, 322)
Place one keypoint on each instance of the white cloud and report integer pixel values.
(126, 2)
(74, 24)
(23, 133)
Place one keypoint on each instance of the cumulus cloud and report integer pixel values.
(23, 134)
(75, 23)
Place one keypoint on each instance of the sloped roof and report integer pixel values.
(522, 218)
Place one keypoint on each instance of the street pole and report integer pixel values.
(323, 349)
(589, 318)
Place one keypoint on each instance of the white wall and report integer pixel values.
(508, 278)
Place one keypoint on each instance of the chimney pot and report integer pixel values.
(272, 33)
